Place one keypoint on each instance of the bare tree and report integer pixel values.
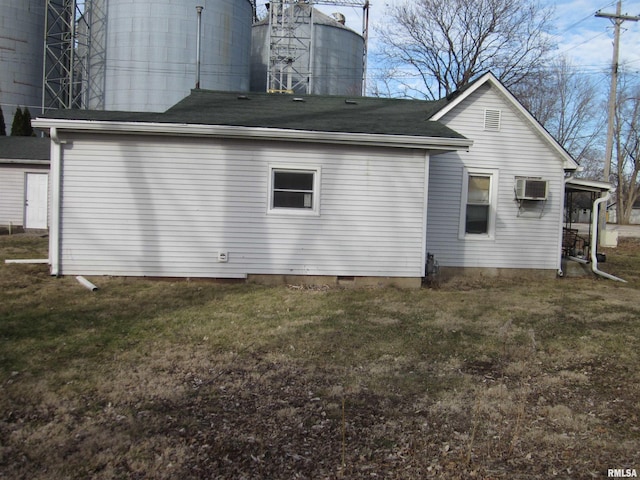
(592, 163)
(626, 159)
(567, 104)
(448, 43)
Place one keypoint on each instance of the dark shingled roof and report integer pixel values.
(384, 116)
(24, 148)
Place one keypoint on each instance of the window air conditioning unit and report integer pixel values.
(531, 189)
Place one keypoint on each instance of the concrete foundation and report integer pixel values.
(336, 281)
(573, 269)
(448, 273)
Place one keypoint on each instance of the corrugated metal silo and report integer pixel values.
(21, 54)
(148, 56)
(336, 52)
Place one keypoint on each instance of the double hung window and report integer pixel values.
(477, 216)
(294, 190)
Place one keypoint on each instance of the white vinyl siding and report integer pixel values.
(522, 238)
(162, 206)
(12, 191)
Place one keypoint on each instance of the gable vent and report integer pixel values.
(492, 120)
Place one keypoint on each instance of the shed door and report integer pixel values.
(36, 192)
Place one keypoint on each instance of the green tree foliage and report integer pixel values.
(26, 122)
(17, 125)
(21, 126)
(3, 127)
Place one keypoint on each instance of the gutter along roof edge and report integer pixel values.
(262, 133)
(22, 161)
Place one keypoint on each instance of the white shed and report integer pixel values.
(24, 174)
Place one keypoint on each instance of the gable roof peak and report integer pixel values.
(488, 78)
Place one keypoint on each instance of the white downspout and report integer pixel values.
(594, 244)
(425, 214)
(54, 227)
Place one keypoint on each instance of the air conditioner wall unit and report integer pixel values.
(531, 189)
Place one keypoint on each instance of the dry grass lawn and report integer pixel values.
(481, 379)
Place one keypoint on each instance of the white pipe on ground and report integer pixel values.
(579, 260)
(86, 283)
(594, 244)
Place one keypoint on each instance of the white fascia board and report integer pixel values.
(22, 161)
(256, 133)
(458, 99)
(589, 185)
(568, 162)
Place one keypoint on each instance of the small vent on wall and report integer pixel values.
(492, 120)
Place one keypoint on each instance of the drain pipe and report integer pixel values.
(594, 244)
(54, 223)
(86, 283)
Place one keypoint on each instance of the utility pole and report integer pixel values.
(617, 19)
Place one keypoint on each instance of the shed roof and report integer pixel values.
(24, 149)
(381, 116)
(584, 185)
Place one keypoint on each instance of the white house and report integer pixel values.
(509, 148)
(259, 186)
(24, 173)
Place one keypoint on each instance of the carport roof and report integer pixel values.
(583, 185)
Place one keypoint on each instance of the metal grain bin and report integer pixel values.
(337, 53)
(21, 53)
(148, 56)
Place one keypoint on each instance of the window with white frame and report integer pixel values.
(294, 190)
(477, 216)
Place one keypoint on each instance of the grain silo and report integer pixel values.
(330, 62)
(21, 53)
(143, 53)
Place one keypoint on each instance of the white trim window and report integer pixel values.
(478, 208)
(294, 190)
